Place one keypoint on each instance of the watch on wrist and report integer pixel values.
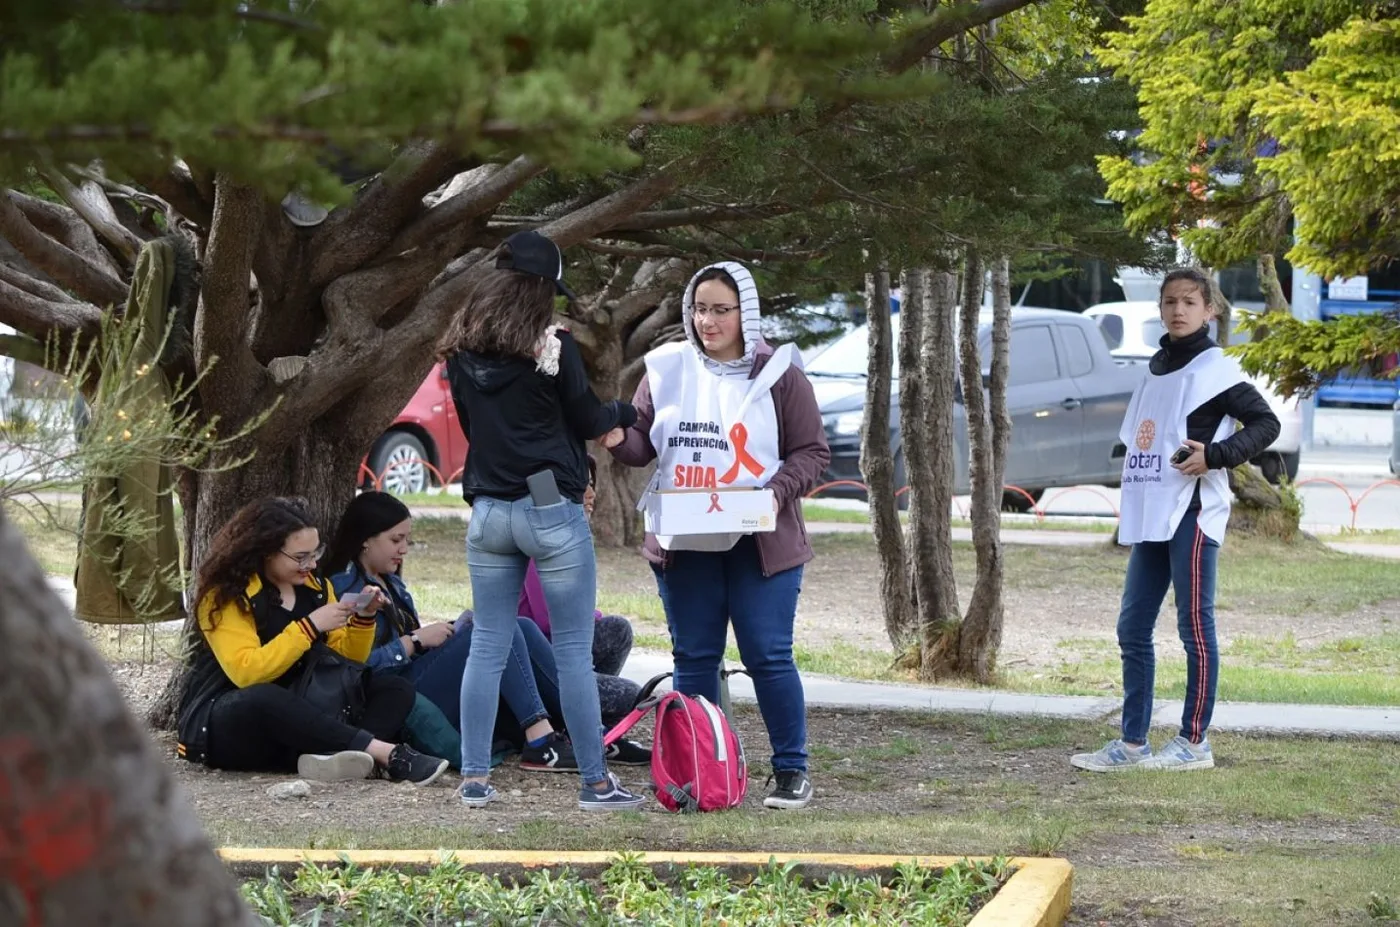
(418, 648)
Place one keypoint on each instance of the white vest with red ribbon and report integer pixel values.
(711, 432)
(1156, 494)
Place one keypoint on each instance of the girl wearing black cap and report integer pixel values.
(369, 549)
(523, 398)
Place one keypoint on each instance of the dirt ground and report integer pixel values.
(1052, 595)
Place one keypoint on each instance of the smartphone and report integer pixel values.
(1181, 454)
(360, 600)
(544, 490)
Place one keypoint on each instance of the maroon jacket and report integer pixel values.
(801, 441)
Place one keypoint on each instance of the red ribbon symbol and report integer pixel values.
(714, 504)
(739, 438)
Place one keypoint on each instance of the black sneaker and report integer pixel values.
(611, 797)
(556, 754)
(627, 753)
(408, 765)
(793, 791)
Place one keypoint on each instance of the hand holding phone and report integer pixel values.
(362, 600)
(1181, 454)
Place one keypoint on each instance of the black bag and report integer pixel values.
(334, 685)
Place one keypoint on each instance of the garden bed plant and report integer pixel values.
(628, 891)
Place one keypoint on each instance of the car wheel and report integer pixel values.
(398, 458)
(1275, 466)
(1013, 501)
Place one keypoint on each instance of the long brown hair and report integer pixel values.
(236, 554)
(505, 312)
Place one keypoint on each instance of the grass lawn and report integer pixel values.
(1283, 832)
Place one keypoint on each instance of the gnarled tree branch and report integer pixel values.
(495, 185)
(603, 214)
(221, 328)
(60, 262)
(90, 202)
(41, 317)
(355, 233)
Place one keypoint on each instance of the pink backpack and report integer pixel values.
(697, 763)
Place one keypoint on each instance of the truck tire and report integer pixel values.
(1013, 501)
(1276, 466)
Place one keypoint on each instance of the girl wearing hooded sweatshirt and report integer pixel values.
(724, 379)
(1182, 442)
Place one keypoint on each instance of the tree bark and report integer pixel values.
(1274, 300)
(877, 466)
(926, 425)
(93, 829)
(989, 428)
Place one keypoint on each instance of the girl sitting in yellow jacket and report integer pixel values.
(261, 607)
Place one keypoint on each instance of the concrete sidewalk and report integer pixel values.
(1253, 717)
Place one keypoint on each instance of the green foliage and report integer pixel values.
(628, 892)
(1338, 126)
(1233, 97)
(261, 90)
(1298, 356)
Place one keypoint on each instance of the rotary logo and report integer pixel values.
(1146, 434)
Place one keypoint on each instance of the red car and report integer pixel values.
(424, 446)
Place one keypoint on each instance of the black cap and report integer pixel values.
(532, 253)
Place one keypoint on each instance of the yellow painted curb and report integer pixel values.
(1038, 895)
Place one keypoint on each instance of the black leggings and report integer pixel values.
(264, 728)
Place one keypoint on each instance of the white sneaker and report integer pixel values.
(1114, 756)
(1181, 755)
(335, 767)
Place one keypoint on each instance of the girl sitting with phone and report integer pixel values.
(367, 555)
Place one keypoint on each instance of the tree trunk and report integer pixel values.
(877, 466)
(1274, 300)
(931, 479)
(95, 829)
(989, 428)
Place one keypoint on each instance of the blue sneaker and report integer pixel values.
(477, 794)
(612, 797)
(1114, 756)
(1181, 755)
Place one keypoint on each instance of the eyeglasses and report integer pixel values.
(305, 560)
(714, 312)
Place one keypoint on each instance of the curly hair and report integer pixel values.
(505, 312)
(236, 554)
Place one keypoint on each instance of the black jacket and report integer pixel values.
(519, 421)
(1241, 402)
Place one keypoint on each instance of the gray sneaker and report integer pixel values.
(344, 766)
(1114, 756)
(1181, 755)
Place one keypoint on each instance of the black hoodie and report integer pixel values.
(519, 420)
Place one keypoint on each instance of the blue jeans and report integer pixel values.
(1186, 562)
(501, 540)
(437, 675)
(703, 592)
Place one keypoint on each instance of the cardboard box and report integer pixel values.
(710, 511)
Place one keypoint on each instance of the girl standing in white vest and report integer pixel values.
(1181, 443)
(723, 409)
